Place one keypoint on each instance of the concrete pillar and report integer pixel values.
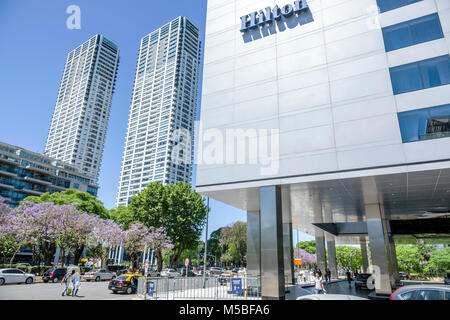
(253, 244)
(319, 234)
(327, 215)
(331, 249)
(377, 230)
(364, 255)
(379, 249)
(272, 264)
(320, 250)
(288, 253)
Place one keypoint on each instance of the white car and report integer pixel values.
(330, 297)
(12, 275)
(171, 273)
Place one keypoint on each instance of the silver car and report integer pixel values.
(422, 292)
(171, 273)
(11, 275)
(98, 275)
(330, 297)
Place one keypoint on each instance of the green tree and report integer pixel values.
(85, 202)
(121, 216)
(177, 208)
(343, 257)
(214, 248)
(234, 238)
(409, 258)
(308, 246)
(439, 261)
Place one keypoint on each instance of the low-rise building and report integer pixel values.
(25, 173)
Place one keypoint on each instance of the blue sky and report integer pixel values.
(35, 43)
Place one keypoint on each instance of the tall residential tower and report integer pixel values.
(163, 107)
(78, 128)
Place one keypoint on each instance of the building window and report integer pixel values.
(425, 124)
(412, 32)
(387, 5)
(421, 75)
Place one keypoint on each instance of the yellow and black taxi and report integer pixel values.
(126, 283)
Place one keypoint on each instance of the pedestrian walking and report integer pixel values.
(328, 275)
(349, 278)
(76, 283)
(325, 275)
(67, 280)
(319, 287)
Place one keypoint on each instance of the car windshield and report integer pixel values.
(363, 276)
(122, 278)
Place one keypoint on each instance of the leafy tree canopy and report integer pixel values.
(177, 208)
(85, 202)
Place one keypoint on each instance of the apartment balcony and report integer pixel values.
(7, 173)
(6, 186)
(42, 182)
(8, 161)
(38, 170)
(33, 192)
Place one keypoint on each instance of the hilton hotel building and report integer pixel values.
(355, 96)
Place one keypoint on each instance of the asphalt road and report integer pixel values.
(52, 291)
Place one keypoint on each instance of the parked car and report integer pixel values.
(422, 292)
(447, 278)
(57, 274)
(330, 297)
(404, 276)
(170, 272)
(361, 280)
(190, 272)
(224, 278)
(99, 274)
(214, 271)
(124, 283)
(12, 275)
(153, 273)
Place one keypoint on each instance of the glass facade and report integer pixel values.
(425, 124)
(421, 75)
(23, 174)
(387, 5)
(412, 32)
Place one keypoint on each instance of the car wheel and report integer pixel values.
(113, 278)
(114, 291)
(29, 280)
(2, 281)
(129, 290)
(45, 281)
(55, 280)
(97, 279)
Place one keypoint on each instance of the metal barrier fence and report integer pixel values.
(191, 288)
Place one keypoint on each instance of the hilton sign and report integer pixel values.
(258, 19)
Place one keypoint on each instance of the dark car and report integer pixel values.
(124, 283)
(404, 276)
(421, 292)
(361, 280)
(190, 272)
(54, 275)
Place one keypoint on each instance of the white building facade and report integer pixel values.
(80, 119)
(341, 110)
(163, 108)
